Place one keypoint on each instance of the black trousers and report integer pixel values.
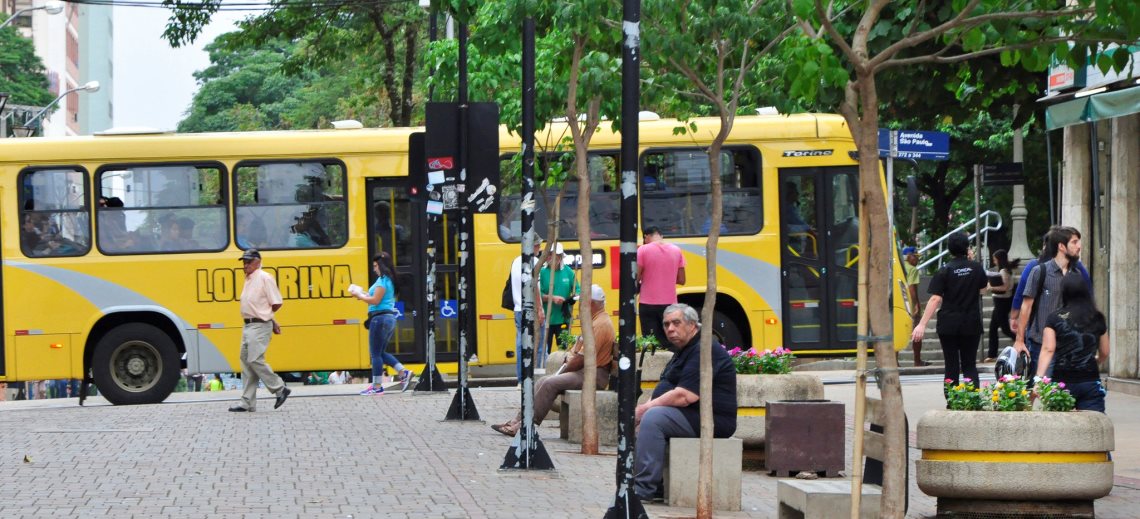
(999, 320)
(961, 354)
(651, 317)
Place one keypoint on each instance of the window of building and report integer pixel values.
(676, 191)
(161, 208)
(291, 205)
(53, 212)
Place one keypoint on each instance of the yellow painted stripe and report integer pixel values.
(751, 411)
(1015, 457)
(650, 385)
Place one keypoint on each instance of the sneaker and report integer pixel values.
(407, 377)
(373, 390)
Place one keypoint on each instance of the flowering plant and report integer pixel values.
(1054, 396)
(964, 396)
(1009, 394)
(768, 362)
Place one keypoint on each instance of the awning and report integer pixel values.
(1096, 107)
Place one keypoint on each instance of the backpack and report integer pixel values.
(508, 298)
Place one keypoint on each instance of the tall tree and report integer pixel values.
(378, 43)
(710, 55)
(840, 61)
(22, 73)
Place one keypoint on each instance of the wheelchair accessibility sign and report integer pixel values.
(399, 310)
(448, 309)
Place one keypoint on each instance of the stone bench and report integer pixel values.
(825, 499)
(570, 416)
(682, 472)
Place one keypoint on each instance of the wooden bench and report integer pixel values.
(682, 471)
(825, 499)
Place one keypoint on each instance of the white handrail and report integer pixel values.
(991, 221)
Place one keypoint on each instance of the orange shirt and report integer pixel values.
(258, 296)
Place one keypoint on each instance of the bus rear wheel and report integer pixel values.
(135, 364)
(726, 331)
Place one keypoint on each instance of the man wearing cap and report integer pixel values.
(910, 267)
(571, 375)
(259, 300)
(558, 289)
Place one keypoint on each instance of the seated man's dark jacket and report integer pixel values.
(684, 370)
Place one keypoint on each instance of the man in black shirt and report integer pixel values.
(674, 410)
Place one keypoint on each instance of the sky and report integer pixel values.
(154, 83)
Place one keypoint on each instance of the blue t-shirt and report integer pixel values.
(388, 302)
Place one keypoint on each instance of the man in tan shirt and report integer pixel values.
(259, 300)
(571, 375)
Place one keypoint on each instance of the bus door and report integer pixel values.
(819, 244)
(396, 224)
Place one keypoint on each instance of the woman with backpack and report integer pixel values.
(1075, 342)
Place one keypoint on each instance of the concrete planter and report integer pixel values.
(753, 392)
(1015, 456)
(651, 372)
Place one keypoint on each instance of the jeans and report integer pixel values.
(1089, 395)
(380, 332)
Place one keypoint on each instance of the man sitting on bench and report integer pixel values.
(674, 411)
(571, 376)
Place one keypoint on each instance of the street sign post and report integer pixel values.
(919, 145)
(1003, 174)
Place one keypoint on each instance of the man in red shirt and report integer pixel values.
(660, 268)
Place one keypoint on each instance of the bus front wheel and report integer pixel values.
(135, 364)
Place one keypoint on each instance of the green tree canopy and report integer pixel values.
(22, 73)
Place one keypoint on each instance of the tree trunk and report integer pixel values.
(875, 246)
(704, 481)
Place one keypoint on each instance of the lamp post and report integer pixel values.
(52, 7)
(91, 86)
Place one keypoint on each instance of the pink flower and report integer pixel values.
(967, 380)
(985, 385)
(1046, 380)
(948, 381)
(1061, 385)
(735, 351)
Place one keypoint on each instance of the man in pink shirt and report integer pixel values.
(660, 268)
(259, 300)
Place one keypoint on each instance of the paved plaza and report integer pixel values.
(329, 452)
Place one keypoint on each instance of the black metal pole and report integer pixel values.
(463, 406)
(626, 504)
(527, 450)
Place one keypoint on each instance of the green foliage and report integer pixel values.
(566, 340)
(21, 71)
(646, 343)
(964, 396)
(1054, 396)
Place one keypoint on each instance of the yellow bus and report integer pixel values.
(120, 252)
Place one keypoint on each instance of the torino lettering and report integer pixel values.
(302, 282)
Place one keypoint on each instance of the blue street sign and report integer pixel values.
(920, 145)
(399, 310)
(448, 309)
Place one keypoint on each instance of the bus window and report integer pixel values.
(156, 208)
(291, 205)
(54, 218)
(676, 195)
(605, 197)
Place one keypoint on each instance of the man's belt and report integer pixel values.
(248, 320)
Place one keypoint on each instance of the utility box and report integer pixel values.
(804, 436)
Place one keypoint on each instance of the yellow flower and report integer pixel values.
(999, 385)
(995, 394)
(960, 387)
(995, 397)
(1024, 392)
(1012, 394)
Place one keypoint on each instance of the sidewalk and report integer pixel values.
(332, 453)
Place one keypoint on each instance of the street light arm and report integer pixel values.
(91, 86)
(53, 7)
